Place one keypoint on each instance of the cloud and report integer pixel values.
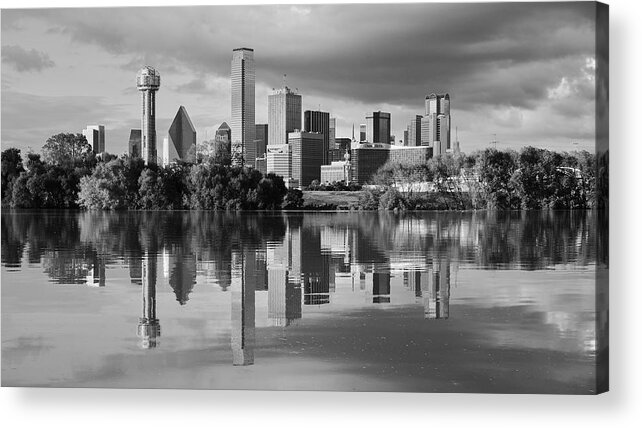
(28, 120)
(500, 61)
(25, 60)
(195, 86)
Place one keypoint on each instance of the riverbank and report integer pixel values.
(369, 200)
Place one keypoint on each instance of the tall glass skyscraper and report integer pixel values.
(242, 124)
(437, 123)
(284, 115)
(319, 121)
(378, 127)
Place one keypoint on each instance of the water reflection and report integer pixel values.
(148, 325)
(243, 311)
(304, 261)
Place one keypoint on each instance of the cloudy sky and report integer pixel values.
(521, 73)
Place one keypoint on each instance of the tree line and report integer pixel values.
(532, 178)
(69, 175)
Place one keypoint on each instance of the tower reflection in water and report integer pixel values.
(148, 325)
(437, 302)
(381, 287)
(243, 308)
(432, 288)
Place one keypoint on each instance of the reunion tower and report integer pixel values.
(148, 82)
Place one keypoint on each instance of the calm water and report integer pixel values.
(443, 302)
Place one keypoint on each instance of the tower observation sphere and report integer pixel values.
(148, 82)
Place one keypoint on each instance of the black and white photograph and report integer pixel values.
(371, 197)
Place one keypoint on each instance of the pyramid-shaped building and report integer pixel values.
(180, 143)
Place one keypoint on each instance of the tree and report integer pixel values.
(495, 169)
(45, 185)
(293, 200)
(65, 149)
(112, 185)
(11, 169)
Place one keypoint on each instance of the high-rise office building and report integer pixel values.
(278, 160)
(367, 158)
(134, 143)
(180, 144)
(306, 151)
(378, 128)
(405, 137)
(243, 102)
(438, 104)
(95, 135)
(223, 134)
(437, 121)
(261, 164)
(426, 131)
(319, 121)
(284, 115)
(256, 149)
(333, 133)
(262, 139)
(363, 131)
(414, 131)
(148, 82)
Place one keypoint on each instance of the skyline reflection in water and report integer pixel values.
(316, 270)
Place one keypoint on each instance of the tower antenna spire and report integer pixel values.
(285, 76)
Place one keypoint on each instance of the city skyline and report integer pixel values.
(508, 80)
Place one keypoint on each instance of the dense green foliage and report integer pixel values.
(68, 175)
(11, 169)
(62, 149)
(50, 181)
(489, 179)
(127, 183)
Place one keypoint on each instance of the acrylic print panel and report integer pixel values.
(214, 201)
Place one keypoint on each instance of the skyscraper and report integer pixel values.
(333, 133)
(278, 160)
(261, 138)
(378, 127)
(284, 115)
(148, 82)
(414, 131)
(362, 132)
(180, 143)
(223, 134)
(319, 121)
(242, 124)
(95, 135)
(134, 143)
(306, 152)
(437, 121)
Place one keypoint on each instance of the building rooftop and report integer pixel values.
(148, 77)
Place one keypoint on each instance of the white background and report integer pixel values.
(620, 407)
